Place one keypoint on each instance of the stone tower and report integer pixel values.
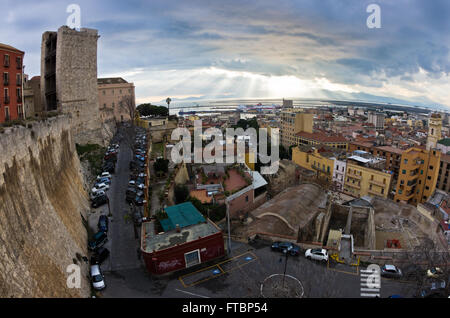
(434, 130)
(69, 80)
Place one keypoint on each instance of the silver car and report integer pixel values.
(97, 278)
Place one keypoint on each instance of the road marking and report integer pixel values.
(186, 292)
(211, 268)
(370, 295)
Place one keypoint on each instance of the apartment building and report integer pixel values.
(112, 93)
(292, 122)
(365, 175)
(419, 171)
(443, 181)
(11, 91)
(321, 159)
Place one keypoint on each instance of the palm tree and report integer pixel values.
(168, 100)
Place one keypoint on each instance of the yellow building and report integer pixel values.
(294, 121)
(320, 159)
(364, 176)
(419, 170)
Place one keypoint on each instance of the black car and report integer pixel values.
(139, 200)
(100, 255)
(293, 249)
(109, 167)
(99, 201)
(103, 223)
(99, 239)
(130, 194)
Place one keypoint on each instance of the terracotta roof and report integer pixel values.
(445, 157)
(111, 80)
(390, 149)
(201, 195)
(322, 137)
(10, 48)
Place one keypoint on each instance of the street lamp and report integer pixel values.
(286, 253)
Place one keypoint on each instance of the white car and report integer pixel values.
(98, 280)
(318, 254)
(97, 194)
(104, 175)
(100, 187)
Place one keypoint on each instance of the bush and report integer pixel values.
(181, 193)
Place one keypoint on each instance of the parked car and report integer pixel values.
(109, 167)
(434, 290)
(100, 255)
(391, 271)
(100, 187)
(434, 272)
(318, 254)
(99, 201)
(139, 201)
(104, 180)
(97, 278)
(96, 194)
(289, 247)
(104, 175)
(137, 216)
(99, 239)
(103, 223)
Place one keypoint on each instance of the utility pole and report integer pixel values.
(285, 263)
(228, 223)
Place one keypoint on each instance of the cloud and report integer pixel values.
(306, 42)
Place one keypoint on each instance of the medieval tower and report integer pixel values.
(434, 130)
(69, 80)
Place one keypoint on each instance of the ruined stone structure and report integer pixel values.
(69, 80)
(42, 207)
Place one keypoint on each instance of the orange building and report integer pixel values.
(11, 92)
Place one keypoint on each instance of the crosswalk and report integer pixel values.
(370, 281)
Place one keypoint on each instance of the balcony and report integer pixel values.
(6, 100)
(353, 185)
(354, 176)
(378, 183)
(19, 99)
(372, 191)
(6, 83)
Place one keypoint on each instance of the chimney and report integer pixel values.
(178, 228)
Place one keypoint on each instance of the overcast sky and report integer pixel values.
(255, 49)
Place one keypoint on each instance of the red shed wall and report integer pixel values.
(172, 259)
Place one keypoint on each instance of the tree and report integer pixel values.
(127, 105)
(152, 110)
(161, 165)
(181, 193)
(423, 257)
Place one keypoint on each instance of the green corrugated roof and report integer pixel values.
(183, 214)
(445, 141)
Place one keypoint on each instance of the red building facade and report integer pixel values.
(11, 90)
(162, 260)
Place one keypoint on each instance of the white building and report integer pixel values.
(339, 174)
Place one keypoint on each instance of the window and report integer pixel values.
(192, 258)
(382, 190)
(421, 171)
(6, 60)
(246, 198)
(18, 79)
(6, 94)
(104, 92)
(406, 161)
(7, 113)
(19, 62)
(431, 167)
(6, 78)
(403, 171)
